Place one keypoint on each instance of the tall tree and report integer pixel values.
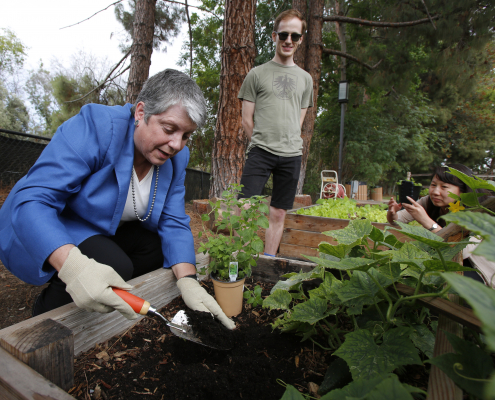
(238, 53)
(142, 47)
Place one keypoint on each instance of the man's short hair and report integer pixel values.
(288, 14)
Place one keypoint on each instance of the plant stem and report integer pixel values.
(413, 297)
(319, 345)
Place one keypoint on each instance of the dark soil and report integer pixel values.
(210, 331)
(150, 360)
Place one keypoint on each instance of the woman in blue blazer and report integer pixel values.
(105, 202)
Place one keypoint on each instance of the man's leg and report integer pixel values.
(274, 233)
(285, 179)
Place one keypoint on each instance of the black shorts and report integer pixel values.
(259, 165)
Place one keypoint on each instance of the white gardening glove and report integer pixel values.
(90, 285)
(198, 299)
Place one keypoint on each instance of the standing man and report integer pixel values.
(275, 97)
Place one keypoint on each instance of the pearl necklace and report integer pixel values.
(134, 196)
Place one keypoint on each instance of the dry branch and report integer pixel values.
(358, 21)
(349, 57)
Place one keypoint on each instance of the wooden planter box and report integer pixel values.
(20, 380)
(303, 233)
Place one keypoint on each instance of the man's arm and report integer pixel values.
(303, 115)
(248, 117)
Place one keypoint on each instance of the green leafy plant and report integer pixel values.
(359, 314)
(346, 209)
(253, 297)
(359, 290)
(242, 243)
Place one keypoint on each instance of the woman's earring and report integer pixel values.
(136, 122)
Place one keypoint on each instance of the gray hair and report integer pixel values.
(168, 88)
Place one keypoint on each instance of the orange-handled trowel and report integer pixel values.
(143, 307)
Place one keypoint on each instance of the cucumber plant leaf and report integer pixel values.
(437, 265)
(278, 300)
(423, 339)
(361, 285)
(339, 251)
(326, 290)
(481, 224)
(467, 366)
(481, 298)
(473, 181)
(349, 264)
(423, 235)
(356, 230)
(390, 389)
(291, 393)
(367, 359)
(312, 311)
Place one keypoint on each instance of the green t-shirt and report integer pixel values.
(279, 93)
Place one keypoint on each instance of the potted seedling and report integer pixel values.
(233, 245)
(408, 188)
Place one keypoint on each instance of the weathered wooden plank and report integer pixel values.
(305, 238)
(158, 287)
(270, 269)
(47, 347)
(20, 382)
(440, 386)
(294, 251)
(313, 224)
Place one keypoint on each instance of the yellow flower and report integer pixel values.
(455, 207)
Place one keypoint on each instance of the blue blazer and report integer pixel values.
(78, 188)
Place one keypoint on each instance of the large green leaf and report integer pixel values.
(481, 298)
(472, 181)
(295, 280)
(278, 300)
(423, 339)
(312, 311)
(377, 235)
(358, 389)
(339, 251)
(408, 254)
(326, 290)
(438, 265)
(367, 359)
(347, 264)
(467, 367)
(490, 389)
(291, 393)
(361, 285)
(423, 235)
(356, 230)
(390, 389)
(481, 224)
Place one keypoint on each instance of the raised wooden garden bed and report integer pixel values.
(21, 381)
(303, 233)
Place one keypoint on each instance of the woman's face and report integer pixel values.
(439, 192)
(163, 136)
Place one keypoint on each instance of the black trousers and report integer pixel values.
(132, 252)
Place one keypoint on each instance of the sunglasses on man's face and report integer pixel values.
(294, 36)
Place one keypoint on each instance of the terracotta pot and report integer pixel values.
(229, 295)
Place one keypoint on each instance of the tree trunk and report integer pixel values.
(238, 53)
(142, 47)
(312, 63)
(300, 54)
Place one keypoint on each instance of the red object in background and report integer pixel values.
(331, 187)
